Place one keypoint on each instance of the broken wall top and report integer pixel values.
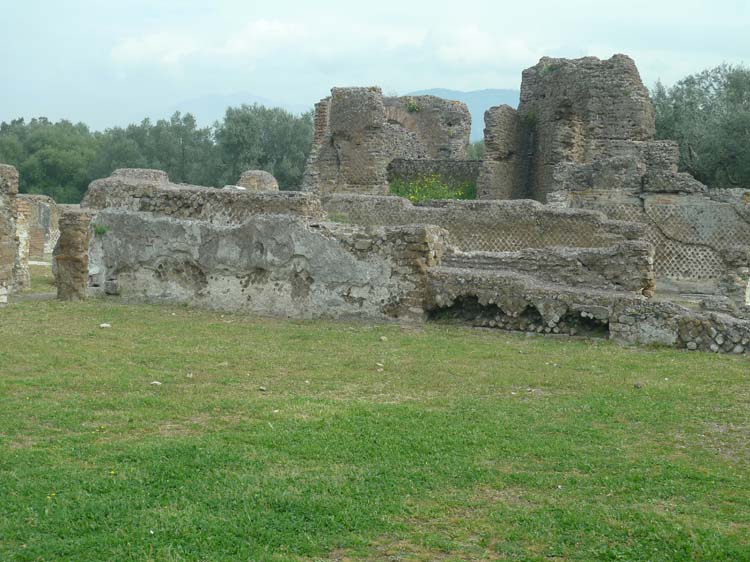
(606, 98)
(358, 132)
(151, 191)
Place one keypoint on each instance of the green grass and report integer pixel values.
(431, 187)
(284, 440)
(42, 280)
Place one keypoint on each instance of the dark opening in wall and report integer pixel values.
(468, 310)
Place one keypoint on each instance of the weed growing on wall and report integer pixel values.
(431, 187)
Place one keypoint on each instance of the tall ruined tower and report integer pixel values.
(570, 111)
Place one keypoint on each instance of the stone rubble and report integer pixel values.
(584, 225)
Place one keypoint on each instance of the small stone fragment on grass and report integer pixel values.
(262, 388)
(383, 338)
(105, 325)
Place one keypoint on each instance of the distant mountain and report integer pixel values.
(209, 108)
(477, 101)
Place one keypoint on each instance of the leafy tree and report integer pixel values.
(476, 150)
(52, 158)
(708, 114)
(187, 153)
(61, 159)
(270, 139)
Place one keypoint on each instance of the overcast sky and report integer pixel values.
(110, 62)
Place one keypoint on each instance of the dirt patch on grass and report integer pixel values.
(388, 550)
(729, 440)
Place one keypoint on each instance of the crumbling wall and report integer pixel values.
(583, 138)
(624, 266)
(8, 241)
(71, 254)
(692, 233)
(41, 215)
(358, 132)
(574, 109)
(454, 173)
(272, 265)
(494, 226)
(151, 191)
(258, 180)
(515, 301)
(22, 273)
(442, 127)
(351, 156)
(505, 168)
(570, 111)
(260, 260)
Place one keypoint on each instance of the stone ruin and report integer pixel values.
(583, 224)
(38, 225)
(28, 232)
(8, 239)
(583, 138)
(359, 133)
(258, 180)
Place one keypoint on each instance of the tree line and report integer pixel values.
(60, 159)
(707, 113)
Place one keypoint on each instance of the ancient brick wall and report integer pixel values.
(574, 108)
(494, 226)
(441, 127)
(71, 254)
(23, 216)
(8, 241)
(264, 252)
(41, 215)
(623, 266)
(358, 133)
(279, 265)
(454, 173)
(570, 111)
(150, 191)
(504, 170)
(583, 138)
(700, 241)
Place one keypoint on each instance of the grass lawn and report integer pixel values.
(287, 440)
(42, 280)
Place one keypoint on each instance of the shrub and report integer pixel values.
(99, 229)
(431, 187)
(413, 107)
